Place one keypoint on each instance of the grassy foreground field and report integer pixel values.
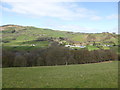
(97, 75)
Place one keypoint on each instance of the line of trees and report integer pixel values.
(56, 55)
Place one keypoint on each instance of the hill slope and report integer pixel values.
(15, 35)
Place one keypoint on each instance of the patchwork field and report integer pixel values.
(15, 37)
(97, 75)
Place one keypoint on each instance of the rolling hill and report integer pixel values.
(25, 36)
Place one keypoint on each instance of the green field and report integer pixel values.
(97, 75)
(22, 37)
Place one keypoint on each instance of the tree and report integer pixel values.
(20, 61)
(7, 58)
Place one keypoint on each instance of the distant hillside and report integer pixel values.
(15, 35)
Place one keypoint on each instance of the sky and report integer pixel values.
(67, 15)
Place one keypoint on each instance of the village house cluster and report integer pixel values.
(75, 46)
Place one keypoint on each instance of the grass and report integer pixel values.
(22, 48)
(97, 75)
(25, 46)
(90, 48)
(0, 78)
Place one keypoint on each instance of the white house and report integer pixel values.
(75, 46)
(33, 44)
(67, 45)
(108, 45)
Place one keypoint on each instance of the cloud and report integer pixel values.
(40, 0)
(50, 8)
(115, 29)
(62, 0)
(76, 28)
(96, 18)
(113, 16)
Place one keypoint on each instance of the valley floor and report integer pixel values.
(100, 75)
